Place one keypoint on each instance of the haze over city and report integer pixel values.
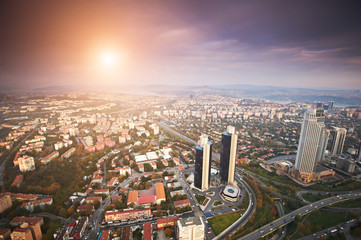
(180, 120)
(308, 44)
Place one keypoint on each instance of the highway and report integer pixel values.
(282, 221)
(281, 212)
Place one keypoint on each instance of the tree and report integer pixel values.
(168, 232)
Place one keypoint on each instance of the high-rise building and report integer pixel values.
(319, 105)
(191, 229)
(311, 145)
(228, 155)
(203, 163)
(338, 141)
(323, 144)
(330, 105)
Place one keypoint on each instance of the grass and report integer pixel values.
(216, 203)
(355, 231)
(262, 217)
(315, 222)
(314, 197)
(272, 176)
(354, 203)
(337, 236)
(347, 186)
(220, 223)
(200, 198)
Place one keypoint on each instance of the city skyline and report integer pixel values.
(272, 43)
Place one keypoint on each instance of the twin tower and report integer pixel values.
(227, 159)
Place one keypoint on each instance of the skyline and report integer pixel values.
(272, 43)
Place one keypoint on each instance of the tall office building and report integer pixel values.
(338, 141)
(330, 105)
(323, 145)
(228, 155)
(312, 143)
(203, 163)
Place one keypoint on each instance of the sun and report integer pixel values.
(108, 59)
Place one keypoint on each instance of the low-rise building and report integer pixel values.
(18, 181)
(113, 182)
(50, 157)
(127, 214)
(132, 197)
(37, 203)
(5, 202)
(5, 233)
(92, 200)
(166, 222)
(148, 231)
(159, 191)
(182, 203)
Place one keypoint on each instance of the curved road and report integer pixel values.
(282, 221)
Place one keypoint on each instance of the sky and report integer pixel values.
(311, 44)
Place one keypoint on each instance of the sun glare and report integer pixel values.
(108, 59)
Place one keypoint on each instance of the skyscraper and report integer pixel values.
(203, 163)
(311, 146)
(228, 155)
(330, 105)
(338, 141)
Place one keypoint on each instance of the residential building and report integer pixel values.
(127, 214)
(26, 163)
(166, 222)
(5, 202)
(191, 229)
(18, 180)
(4, 233)
(32, 223)
(148, 231)
(50, 157)
(22, 233)
(37, 203)
(228, 155)
(203, 163)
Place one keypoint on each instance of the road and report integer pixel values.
(215, 155)
(343, 227)
(281, 212)
(282, 221)
(246, 216)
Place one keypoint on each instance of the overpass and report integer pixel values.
(284, 220)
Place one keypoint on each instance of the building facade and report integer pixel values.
(191, 229)
(203, 163)
(312, 143)
(228, 155)
(338, 141)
